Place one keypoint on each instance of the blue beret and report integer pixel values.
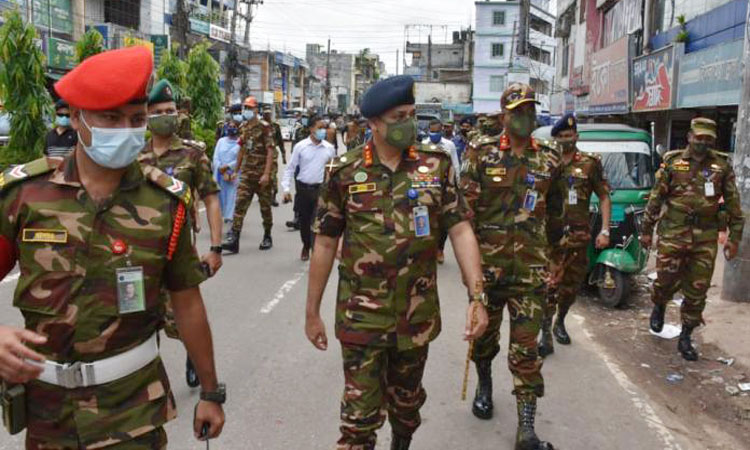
(568, 122)
(386, 95)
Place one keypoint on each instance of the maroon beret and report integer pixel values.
(109, 79)
(7, 257)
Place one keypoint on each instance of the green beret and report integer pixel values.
(161, 92)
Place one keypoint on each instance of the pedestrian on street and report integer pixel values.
(690, 184)
(512, 186)
(225, 169)
(97, 236)
(461, 140)
(308, 161)
(389, 200)
(436, 139)
(255, 160)
(61, 139)
(582, 175)
(185, 122)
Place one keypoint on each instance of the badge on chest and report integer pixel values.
(362, 188)
(130, 291)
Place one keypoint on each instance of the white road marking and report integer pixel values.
(11, 278)
(281, 293)
(647, 412)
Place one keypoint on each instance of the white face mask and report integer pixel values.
(114, 148)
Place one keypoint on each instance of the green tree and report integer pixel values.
(173, 69)
(91, 43)
(203, 87)
(23, 88)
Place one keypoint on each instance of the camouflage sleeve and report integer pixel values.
(555, 202)
(184, 270)
(330, 220)
(205, 183)
(470, 184)
(599, 179)
(454, 210)
(268, 137)
(735, 219)
(656, 200)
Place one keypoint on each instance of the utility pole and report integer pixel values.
(231, 60)
(397, 50)
(736, 283)
(249, 18)
(328, 77)
(429, 56)
(181, 22)
(523, 29)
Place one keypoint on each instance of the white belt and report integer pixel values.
(80, 374)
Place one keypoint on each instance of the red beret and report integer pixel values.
(109, 79)
(7, 257)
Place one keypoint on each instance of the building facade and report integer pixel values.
(342, 77)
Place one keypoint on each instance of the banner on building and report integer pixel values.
(54, 14)
(653, 81)
(609, 79)
(278, 96)
(621, 20)
(711, 77)
(62, 53)
(254, 77)
(220, 34)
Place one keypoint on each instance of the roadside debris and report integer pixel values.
(675, 378)
(725, 361)
(668, 332)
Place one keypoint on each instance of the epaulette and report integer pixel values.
(198, 145)
(21, 172)
(544, 144)
(487, 140)
(595, 156)
(264, 123)
(672, 154)
(177, 188)
(720, 154)
(430, 148)
(344, 160)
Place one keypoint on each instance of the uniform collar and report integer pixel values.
(67, 174)
(370, 155)
(504, 144)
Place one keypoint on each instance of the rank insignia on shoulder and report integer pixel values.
(496, 171)
(44, 235)
(362, 188)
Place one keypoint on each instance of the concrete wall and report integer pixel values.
(443, 92)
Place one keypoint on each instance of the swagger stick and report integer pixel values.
(471, 349)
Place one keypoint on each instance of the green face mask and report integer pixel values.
(522, 125)
(163, 124)
(403, 134)
(700, 148)
(567, 146)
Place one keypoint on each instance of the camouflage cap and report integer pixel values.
(700, 126)
(517, 94)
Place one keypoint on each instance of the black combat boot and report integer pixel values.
(526, 438)
(685, 346)
(400, 442)
(657, 318)
(561, 334)
(267, 242)
(190, 375)
(232, 242)
(482, 406)
(547, 346)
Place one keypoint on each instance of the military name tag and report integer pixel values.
(709, 189)
(421, 221)
(362, 188)
(48, 236)
(130, 292)
(491, 171)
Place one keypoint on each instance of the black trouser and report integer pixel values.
(443, 238)
(307, 199)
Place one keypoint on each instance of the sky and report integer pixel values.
(287, 25)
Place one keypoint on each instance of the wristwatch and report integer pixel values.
(219, 396)
(216, 249)
(480, 297)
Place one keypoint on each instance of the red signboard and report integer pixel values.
(609, 79)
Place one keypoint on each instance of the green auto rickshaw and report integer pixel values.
(629, 162)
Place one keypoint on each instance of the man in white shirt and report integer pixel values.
(436, 138)
(311, 156)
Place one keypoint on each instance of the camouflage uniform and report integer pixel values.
(186, 161)
(68, 292)
(387, 307)
(585, 175)
(278, 146)
(256, 140)
(688, 229)
(184, 126)
(514, 245)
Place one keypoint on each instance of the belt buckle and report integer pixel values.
(70, 376)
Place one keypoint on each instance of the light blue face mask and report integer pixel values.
(237, 117)
(320, 134)
(248, 114)
(114, 148)
(62, 121)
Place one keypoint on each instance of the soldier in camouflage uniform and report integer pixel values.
(86, 230)
(582, 175)
(278, 148)
(512, 186)
(184, 122)
(255, 160)
(689, 186)
(389, 200)
(187, 161)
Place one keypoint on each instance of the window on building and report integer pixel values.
(539, 55)
(565, 57)
(540, 25)
(497, 83)
(123, 12)
(498, 50)
(582, 17)
(539, 86)
(498, 18)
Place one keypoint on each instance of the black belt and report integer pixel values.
(308, 186)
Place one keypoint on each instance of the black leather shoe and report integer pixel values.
(526, 438)
(561, 334)
(546, 346)
(685, 345)
(292, 224)
(232, 242)
(190, 375)
(400, 442)
(267, 242)
(482, 406)
(657, 318)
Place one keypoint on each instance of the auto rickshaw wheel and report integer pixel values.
(614, 287)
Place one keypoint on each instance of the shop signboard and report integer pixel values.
(161, 45)
(711, 77)
(652, 81)
(220, 34)
(62, 53)
(609, 79)
(60, 12)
